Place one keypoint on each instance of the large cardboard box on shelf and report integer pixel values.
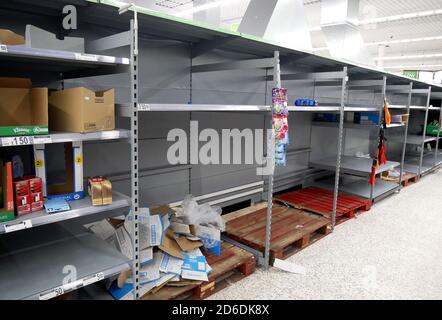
(72, 188)
(23, 109)
(7, 202)
(82, 110)
(9, 37)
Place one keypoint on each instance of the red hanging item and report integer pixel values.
(372, 181)
(383, 157)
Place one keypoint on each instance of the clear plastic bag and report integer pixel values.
(193, 213)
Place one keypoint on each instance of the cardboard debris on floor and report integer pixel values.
(171, 249)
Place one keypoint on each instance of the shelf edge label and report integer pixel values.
(143, 107)
(3, 48)
(92, 279)
(18, 226)
(86, 57)
(17, 141)
(56, 292)
(42, 140)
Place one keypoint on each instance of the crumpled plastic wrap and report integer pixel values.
(206, 215)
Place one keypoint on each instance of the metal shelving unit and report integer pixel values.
(60, 137)
(33, 261)
(263, 63)
(360, 166)
(421, 164)
(33, 269)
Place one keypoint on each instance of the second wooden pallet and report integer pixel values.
(291, 230)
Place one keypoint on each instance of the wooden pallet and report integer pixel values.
(292, 230)
(407, 179)
(231, 266)
(320, 201)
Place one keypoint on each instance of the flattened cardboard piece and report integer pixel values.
(170, 246)
(152, 233)
(162, 210)
(150, 272)
(11, 38)
(146, 255)
(171, 265)
(122, 278)
(180, 228)
(188, 245)
(194, 266)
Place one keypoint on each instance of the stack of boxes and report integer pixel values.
(100, 191)
(28, 193)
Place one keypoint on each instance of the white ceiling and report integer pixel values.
(232, 11)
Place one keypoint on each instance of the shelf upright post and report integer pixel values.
(424, 134)
(134, 155)
(404, 147)
(271, 157)
(384, 96)
(436, 156)
(340, 144)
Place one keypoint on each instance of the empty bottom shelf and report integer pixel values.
(34, 263)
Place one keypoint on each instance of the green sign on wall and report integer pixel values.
(411, 74)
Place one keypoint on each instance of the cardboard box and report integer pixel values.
(100, 191)
(82, 110)
(400, 118)
(22, 197)
(72, 188)
(7, 208)
(24, 109)
(9, 37)
(36, 193)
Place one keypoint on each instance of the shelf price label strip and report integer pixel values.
(18, 226)
(58, 291)
(25, 140)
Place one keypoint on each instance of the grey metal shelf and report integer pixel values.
(79, 208)
(413, 139)
(157, 107)
(353, 165)
(355, 125)
(324, 108)
(428, 163)
(36, 265)
(24, 53)
(421, 108)
(21, 60)
(360, 187)
(59, 137)
(314, 109)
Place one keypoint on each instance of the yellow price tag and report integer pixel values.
(79, 160)
(39, 163)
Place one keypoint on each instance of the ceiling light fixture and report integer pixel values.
(398, 17)
(387, 42)
(417, 56)
(202, 7)
(415, 67)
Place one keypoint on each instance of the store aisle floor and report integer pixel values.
(393, 251)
